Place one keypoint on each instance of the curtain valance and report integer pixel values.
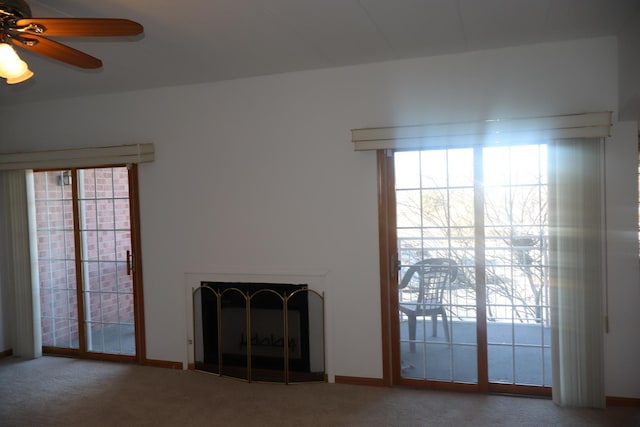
(488, 132)
(78, 157)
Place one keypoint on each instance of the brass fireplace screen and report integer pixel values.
(268, 332)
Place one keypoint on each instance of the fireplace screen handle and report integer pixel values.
(129, 263)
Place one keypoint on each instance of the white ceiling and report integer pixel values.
(192, 41)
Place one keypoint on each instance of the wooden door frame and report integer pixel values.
(388, 266)
(136, 247)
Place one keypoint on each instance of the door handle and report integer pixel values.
(129, 263)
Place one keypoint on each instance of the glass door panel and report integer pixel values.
(105, 236)
(515, 194)
(56, 259)
(435, 230)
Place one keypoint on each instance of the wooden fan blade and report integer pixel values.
(58, 51)
(91, 27)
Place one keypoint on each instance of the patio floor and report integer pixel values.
(111, 339)
(518, 353)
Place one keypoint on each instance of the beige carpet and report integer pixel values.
(54, 391)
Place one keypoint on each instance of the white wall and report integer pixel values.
(629, 71)
(259, 174)
(622, 342)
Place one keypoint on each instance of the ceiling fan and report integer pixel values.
(17, 27)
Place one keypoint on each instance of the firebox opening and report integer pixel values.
(226, 346)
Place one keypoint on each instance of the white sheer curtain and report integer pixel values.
(577, 272)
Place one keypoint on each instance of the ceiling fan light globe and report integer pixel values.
(7, 53)
(11, 66)
(13, 69)
(24, 76)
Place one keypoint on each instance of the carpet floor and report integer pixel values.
(57, 391)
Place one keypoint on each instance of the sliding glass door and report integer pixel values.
(89, 290)
(472, 296)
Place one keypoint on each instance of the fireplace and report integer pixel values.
(259, 331)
